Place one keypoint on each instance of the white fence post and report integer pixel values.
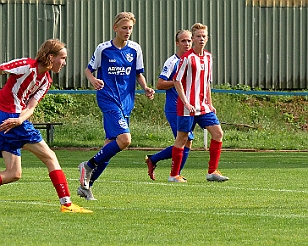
(205, 139)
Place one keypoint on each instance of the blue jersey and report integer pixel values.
(118, 69)
(167, 73)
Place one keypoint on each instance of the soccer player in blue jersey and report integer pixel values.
(119, 64)
(165, 82)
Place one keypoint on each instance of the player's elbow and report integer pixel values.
(159, 86)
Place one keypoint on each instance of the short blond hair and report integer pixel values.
(198, 26)
(179, 32)
(124, 16)
(49, 47)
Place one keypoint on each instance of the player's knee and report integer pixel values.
(218, 135)
(49, 156)
(124, 141)
(181, 140)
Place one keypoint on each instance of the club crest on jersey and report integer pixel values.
(129, 57)
(123, 124)
(165, 69)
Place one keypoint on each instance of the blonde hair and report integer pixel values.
(49, 47)
(179, 32)
(124, 16)
(198, 26)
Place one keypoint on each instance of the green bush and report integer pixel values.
(248, 121)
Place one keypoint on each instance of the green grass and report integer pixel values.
(275, 122)
(263, 203)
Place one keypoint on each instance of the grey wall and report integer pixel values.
(261, 44)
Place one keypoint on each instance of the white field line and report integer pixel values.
(158, 210)
(224, 187)
(30, 203)
(247, 214)
(250, 213)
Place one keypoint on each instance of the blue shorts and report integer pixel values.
(188, 123)
(115, 123)
(172, 119)
(17, 137)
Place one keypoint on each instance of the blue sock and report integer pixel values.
(162, 155)
(185, 155)
(104, 155)
(97, 171)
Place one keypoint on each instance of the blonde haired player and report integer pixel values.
(119, 64)
(194, 105)
(28, 82)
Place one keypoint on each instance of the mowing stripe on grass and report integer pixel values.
(158, 210)
(203, 186)
(186, 184)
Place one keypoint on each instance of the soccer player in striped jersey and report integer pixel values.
(165, 82)
(119, 64)
(194, 106)
(28, 82)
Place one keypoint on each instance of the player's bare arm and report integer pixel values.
(180, 90)
(98, 84)
(209, 99)
(164, 84)
(149, 92)
(25, 114)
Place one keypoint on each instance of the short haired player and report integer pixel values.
(28, 82)
(119, 63)
(194, 105)
(165, 82)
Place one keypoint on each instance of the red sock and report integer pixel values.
(177, 155)
(0, 180)
(215, 150)
(59, 182)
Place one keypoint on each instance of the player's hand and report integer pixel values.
(190, 108)
(149, 92)
(212, 108)
(98, 84)
(9, 123)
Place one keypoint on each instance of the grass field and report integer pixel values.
(263, 203)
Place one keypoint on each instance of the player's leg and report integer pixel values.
(215, 147)
(109, 150)
(57, 176)
(10, 146)
(12, 170)
(186, 151)
(212, 124)
(177, 155)
(97, 171)
(116, 128)
(48, 157)
(184, 126)
(151, 160)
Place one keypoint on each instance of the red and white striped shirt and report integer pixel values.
(195, 74)
(24, 82)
